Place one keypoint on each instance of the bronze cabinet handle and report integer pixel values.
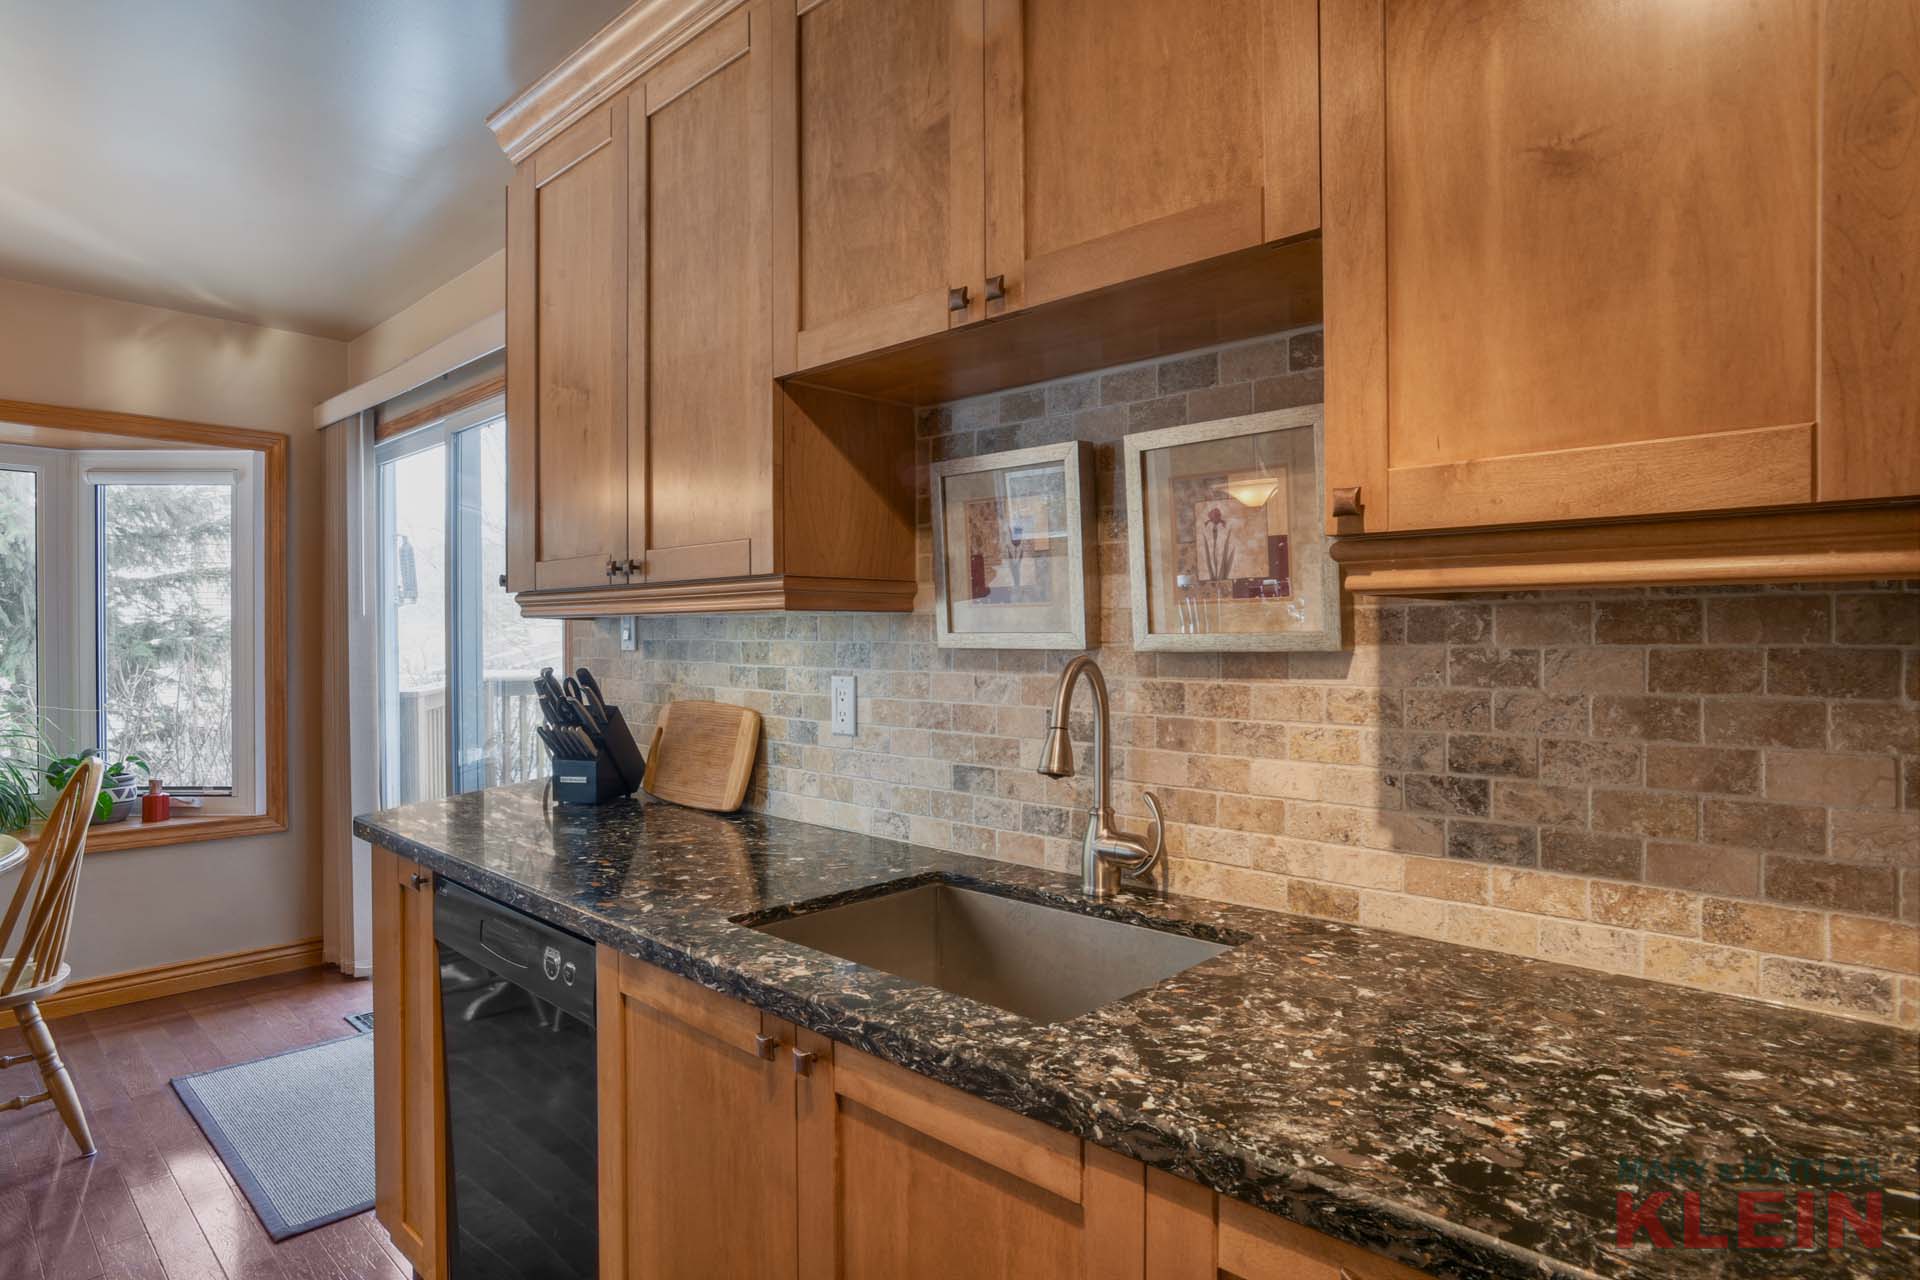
(802, 1062)
(633, 566)
(996, 288)
(613, 567)
(1346, 502)
(764, 1047)
(421, 880)
(957, 298)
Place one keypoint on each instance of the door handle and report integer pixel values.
(613, 567)
(803, 1062)
(957, 298)
(633, 566)
(996, 288)
(765, 1047)
(421, 880)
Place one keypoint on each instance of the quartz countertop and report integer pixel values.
(1461, 1111)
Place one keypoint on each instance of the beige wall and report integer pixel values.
(147, 907)
(469, 297)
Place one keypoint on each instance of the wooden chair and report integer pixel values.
(38, 967)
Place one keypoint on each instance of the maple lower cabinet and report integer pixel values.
(1129, 137)
(697, 1134)
(900, 1176)
(408, 1100)
(733, 1143)
(1589, 259)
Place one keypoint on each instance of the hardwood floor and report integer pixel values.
(156, 1202)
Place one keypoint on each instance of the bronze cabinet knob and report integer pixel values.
(996, 288)
(957, 298)
(1346, 502)
(764, 1047)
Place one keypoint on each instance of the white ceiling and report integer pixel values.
(313, 165)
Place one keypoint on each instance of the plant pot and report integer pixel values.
(126, 800)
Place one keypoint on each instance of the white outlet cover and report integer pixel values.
(845, 723)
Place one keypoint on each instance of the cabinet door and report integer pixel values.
(903, 1177)
(567, 359)
(879, 211)
(1573, 258)
(1193, 1234)
(703, 442)
(409, 1163)
(1129, 137)
(696, 1130)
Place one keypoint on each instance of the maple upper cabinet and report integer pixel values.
(567, 357)
(952, 161)
(703, 423)
(880, 172)
(1588, 260)
(408, 1100)
(657, 464)
(1129, 137)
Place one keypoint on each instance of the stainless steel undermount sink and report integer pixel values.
(1043, 963)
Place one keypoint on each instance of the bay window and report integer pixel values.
(130, 607)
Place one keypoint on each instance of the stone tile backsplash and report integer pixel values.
(1718, 788)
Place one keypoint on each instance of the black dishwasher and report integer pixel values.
(516, 1002)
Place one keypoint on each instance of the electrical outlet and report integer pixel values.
(628, 641)
(844, 722)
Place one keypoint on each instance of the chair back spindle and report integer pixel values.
(45, 896)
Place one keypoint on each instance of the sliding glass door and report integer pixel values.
(457, 661)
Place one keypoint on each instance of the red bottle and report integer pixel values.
(156, 805)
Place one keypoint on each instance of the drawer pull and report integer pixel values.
(421, 880)
(764, 1047)
(996, 288)
(802, 1062)
(957, 299)
(1346, 502)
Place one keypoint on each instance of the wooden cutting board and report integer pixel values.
(702, 754)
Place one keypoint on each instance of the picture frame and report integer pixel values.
(1226, 551)
(1012, 540)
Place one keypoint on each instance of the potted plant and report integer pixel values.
(119, 785)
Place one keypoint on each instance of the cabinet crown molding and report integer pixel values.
(618, 53)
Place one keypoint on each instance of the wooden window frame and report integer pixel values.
(71, 428)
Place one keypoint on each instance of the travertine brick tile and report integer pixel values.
(1650, 621)
(1845, 990)
(1585, 776)
(1832, 885)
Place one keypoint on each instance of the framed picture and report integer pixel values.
(1011, 533)
(1224, 542)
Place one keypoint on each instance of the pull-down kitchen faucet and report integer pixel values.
(1108, 854)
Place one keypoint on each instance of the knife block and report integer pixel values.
(594, 781)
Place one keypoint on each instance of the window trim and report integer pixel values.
(72, 430)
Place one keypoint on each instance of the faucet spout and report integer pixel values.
(1107, 853)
